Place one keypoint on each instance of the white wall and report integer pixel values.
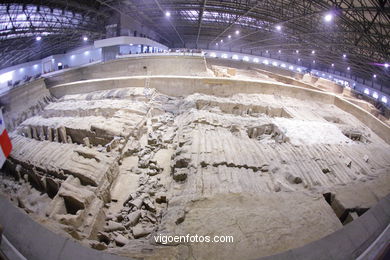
(73, 58)
(330, 76)
(88, 54)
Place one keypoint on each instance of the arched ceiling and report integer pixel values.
(360, 29)
(63, 24)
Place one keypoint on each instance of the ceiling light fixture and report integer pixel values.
(328, 18)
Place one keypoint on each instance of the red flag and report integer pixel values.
(5, 142)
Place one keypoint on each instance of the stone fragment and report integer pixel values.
(118, 217)
(137, 170)
(156, 112)
(348, 162)
(325, 170)
(75, 234)
(149, 205)
(180, 217)
(137, 202)
(144, 161)
(98, 245)
(113, 144)
(133, 218)
(86, 142)
(152, 172)
(131, 196)
(103, 237)
(362, 171)
(152, 139)
(120, 240)
(140, 231)
(264, 168)
(109, 217)
(132, 148)
(151, 217)
(153, 165)
(168, 137)
(156, 126)
(161, 198)
(152, 162)
(181, 162)
(294, 179)
(365, 158)
(21, 203)
(113, 226)
(180, 174)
